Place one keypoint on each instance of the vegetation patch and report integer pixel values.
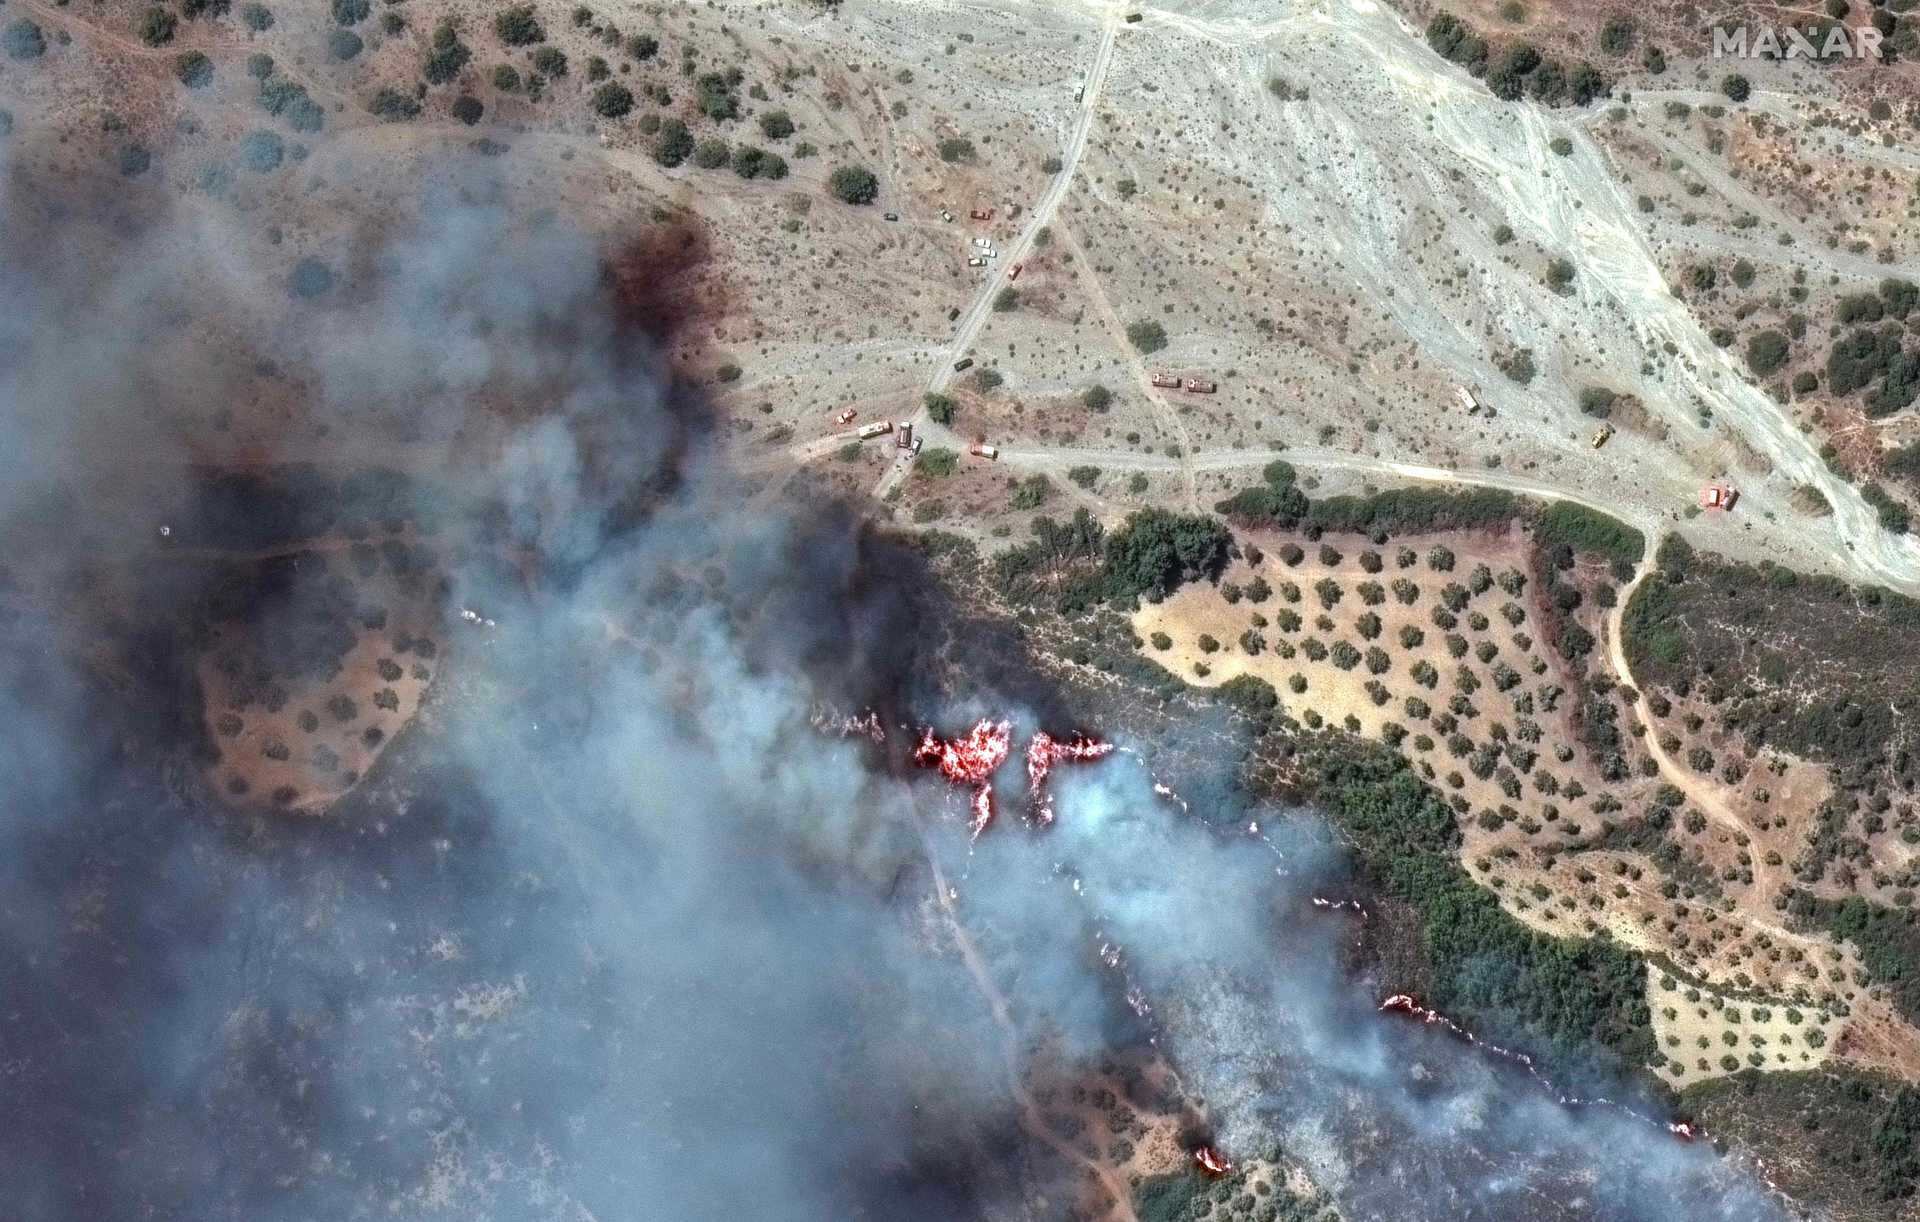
(1579, 1004)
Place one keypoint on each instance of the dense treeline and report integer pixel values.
(1278, 503)
(1888, 938)
(1589, 530)
(1871, 357)
(1076, 565)
(1580, 1004)
(1832, 677)
(1519, 71)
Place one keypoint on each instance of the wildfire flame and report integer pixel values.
(970, 759)
(1043, 752)
(1208, 1160)
(1402, 1003)
(973, 758)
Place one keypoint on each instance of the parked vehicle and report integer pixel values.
(964, 363)
(981, 449)
(878, 428)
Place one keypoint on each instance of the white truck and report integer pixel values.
(878, 428)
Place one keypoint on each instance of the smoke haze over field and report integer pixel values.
(612, 932)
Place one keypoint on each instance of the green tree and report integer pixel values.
(853, 184)
(1032, 492)
(938, 463)
(25, 41)
(194, 70)
(1736, 87)
(1007, 299)
(447, 56)
(612, 101)
(751, 162)
(157, 26)
(776, 125)
(673, 144)
(940, 409)
(516, 26)
(1147, 336)
(1767, 352)
(1156, 550)
(1097, 397)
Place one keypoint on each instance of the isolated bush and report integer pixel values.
(1032, 492)
(343, 44)
(643, 46)
(853, 184)
(262, 151)
(673, 144)
(712, 153)
(612, 101)
(351, 12)
(956, 148)
(776, 125)
(1736, 87)
(506, 78)
(156, 27)
(1097, 397)
(751, 162)
(193, 70)
(447, 56)
(516, 27)
(310, 279)
(1007, 299)
(1767, 352)
(257, 17)
(1597, 401)
(717, 100)
(940, 408)
(23, 41)
(1147, 336)
(392, 105)
(468, 109)
(551, 61)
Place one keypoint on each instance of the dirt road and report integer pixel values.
(1647, 521)
(976, 314)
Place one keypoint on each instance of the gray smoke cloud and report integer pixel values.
(612, 932)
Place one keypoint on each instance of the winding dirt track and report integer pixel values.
(976, 315)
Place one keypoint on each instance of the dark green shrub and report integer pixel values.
(612, 101)
(852, 184)
(193, 70)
